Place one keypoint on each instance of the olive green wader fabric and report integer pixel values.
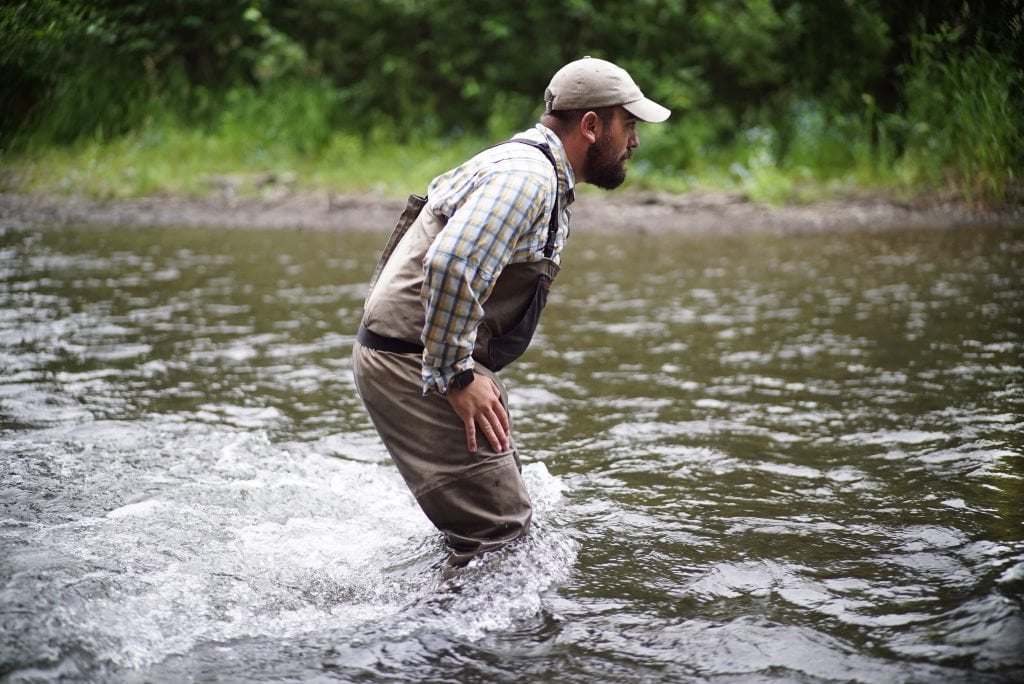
(393, 306)
(477, 500)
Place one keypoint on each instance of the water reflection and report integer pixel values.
(754, 458)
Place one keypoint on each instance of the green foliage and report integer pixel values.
(779, 98)
(964, 122)
(100, 68)
(257, 144)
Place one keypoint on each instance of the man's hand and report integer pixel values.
(480, 404)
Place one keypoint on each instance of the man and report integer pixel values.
(457, 294)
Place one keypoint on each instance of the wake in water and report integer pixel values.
(149, 547)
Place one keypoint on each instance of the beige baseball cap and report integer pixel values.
(590, 83)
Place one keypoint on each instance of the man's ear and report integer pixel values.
(590, 127)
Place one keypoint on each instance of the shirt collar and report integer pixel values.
(566, 177)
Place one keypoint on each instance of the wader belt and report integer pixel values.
(372, 340)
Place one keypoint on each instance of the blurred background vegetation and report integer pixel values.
(783, 100)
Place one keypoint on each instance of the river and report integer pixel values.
(753, 458)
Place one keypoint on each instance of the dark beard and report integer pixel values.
(602, 167)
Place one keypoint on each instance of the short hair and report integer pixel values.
(567, 117)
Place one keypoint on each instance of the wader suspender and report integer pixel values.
(370, 339)
(549, 246)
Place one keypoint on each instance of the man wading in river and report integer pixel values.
(458, 292)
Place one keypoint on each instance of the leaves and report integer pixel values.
(74, 68)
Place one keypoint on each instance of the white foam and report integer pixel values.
(235, 537)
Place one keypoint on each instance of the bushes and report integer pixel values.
(963, 121)
(769, 95)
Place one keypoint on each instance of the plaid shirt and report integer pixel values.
(498, 205)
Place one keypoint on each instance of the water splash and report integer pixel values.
(201, 535)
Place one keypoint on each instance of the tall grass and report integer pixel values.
(959, 132)
(964, 123)
(297, 132)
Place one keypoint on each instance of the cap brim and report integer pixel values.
(647, 110)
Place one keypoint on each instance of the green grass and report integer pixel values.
(958, 134)
(187, 162)
(173, 160)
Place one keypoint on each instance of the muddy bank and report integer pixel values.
(653, 212)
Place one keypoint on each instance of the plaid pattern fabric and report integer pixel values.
(498, 205)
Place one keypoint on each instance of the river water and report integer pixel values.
(753, 458)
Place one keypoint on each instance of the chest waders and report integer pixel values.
(477, 500)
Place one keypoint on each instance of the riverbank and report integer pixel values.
(621, 211)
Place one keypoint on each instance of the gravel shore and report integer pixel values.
(620, 211)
